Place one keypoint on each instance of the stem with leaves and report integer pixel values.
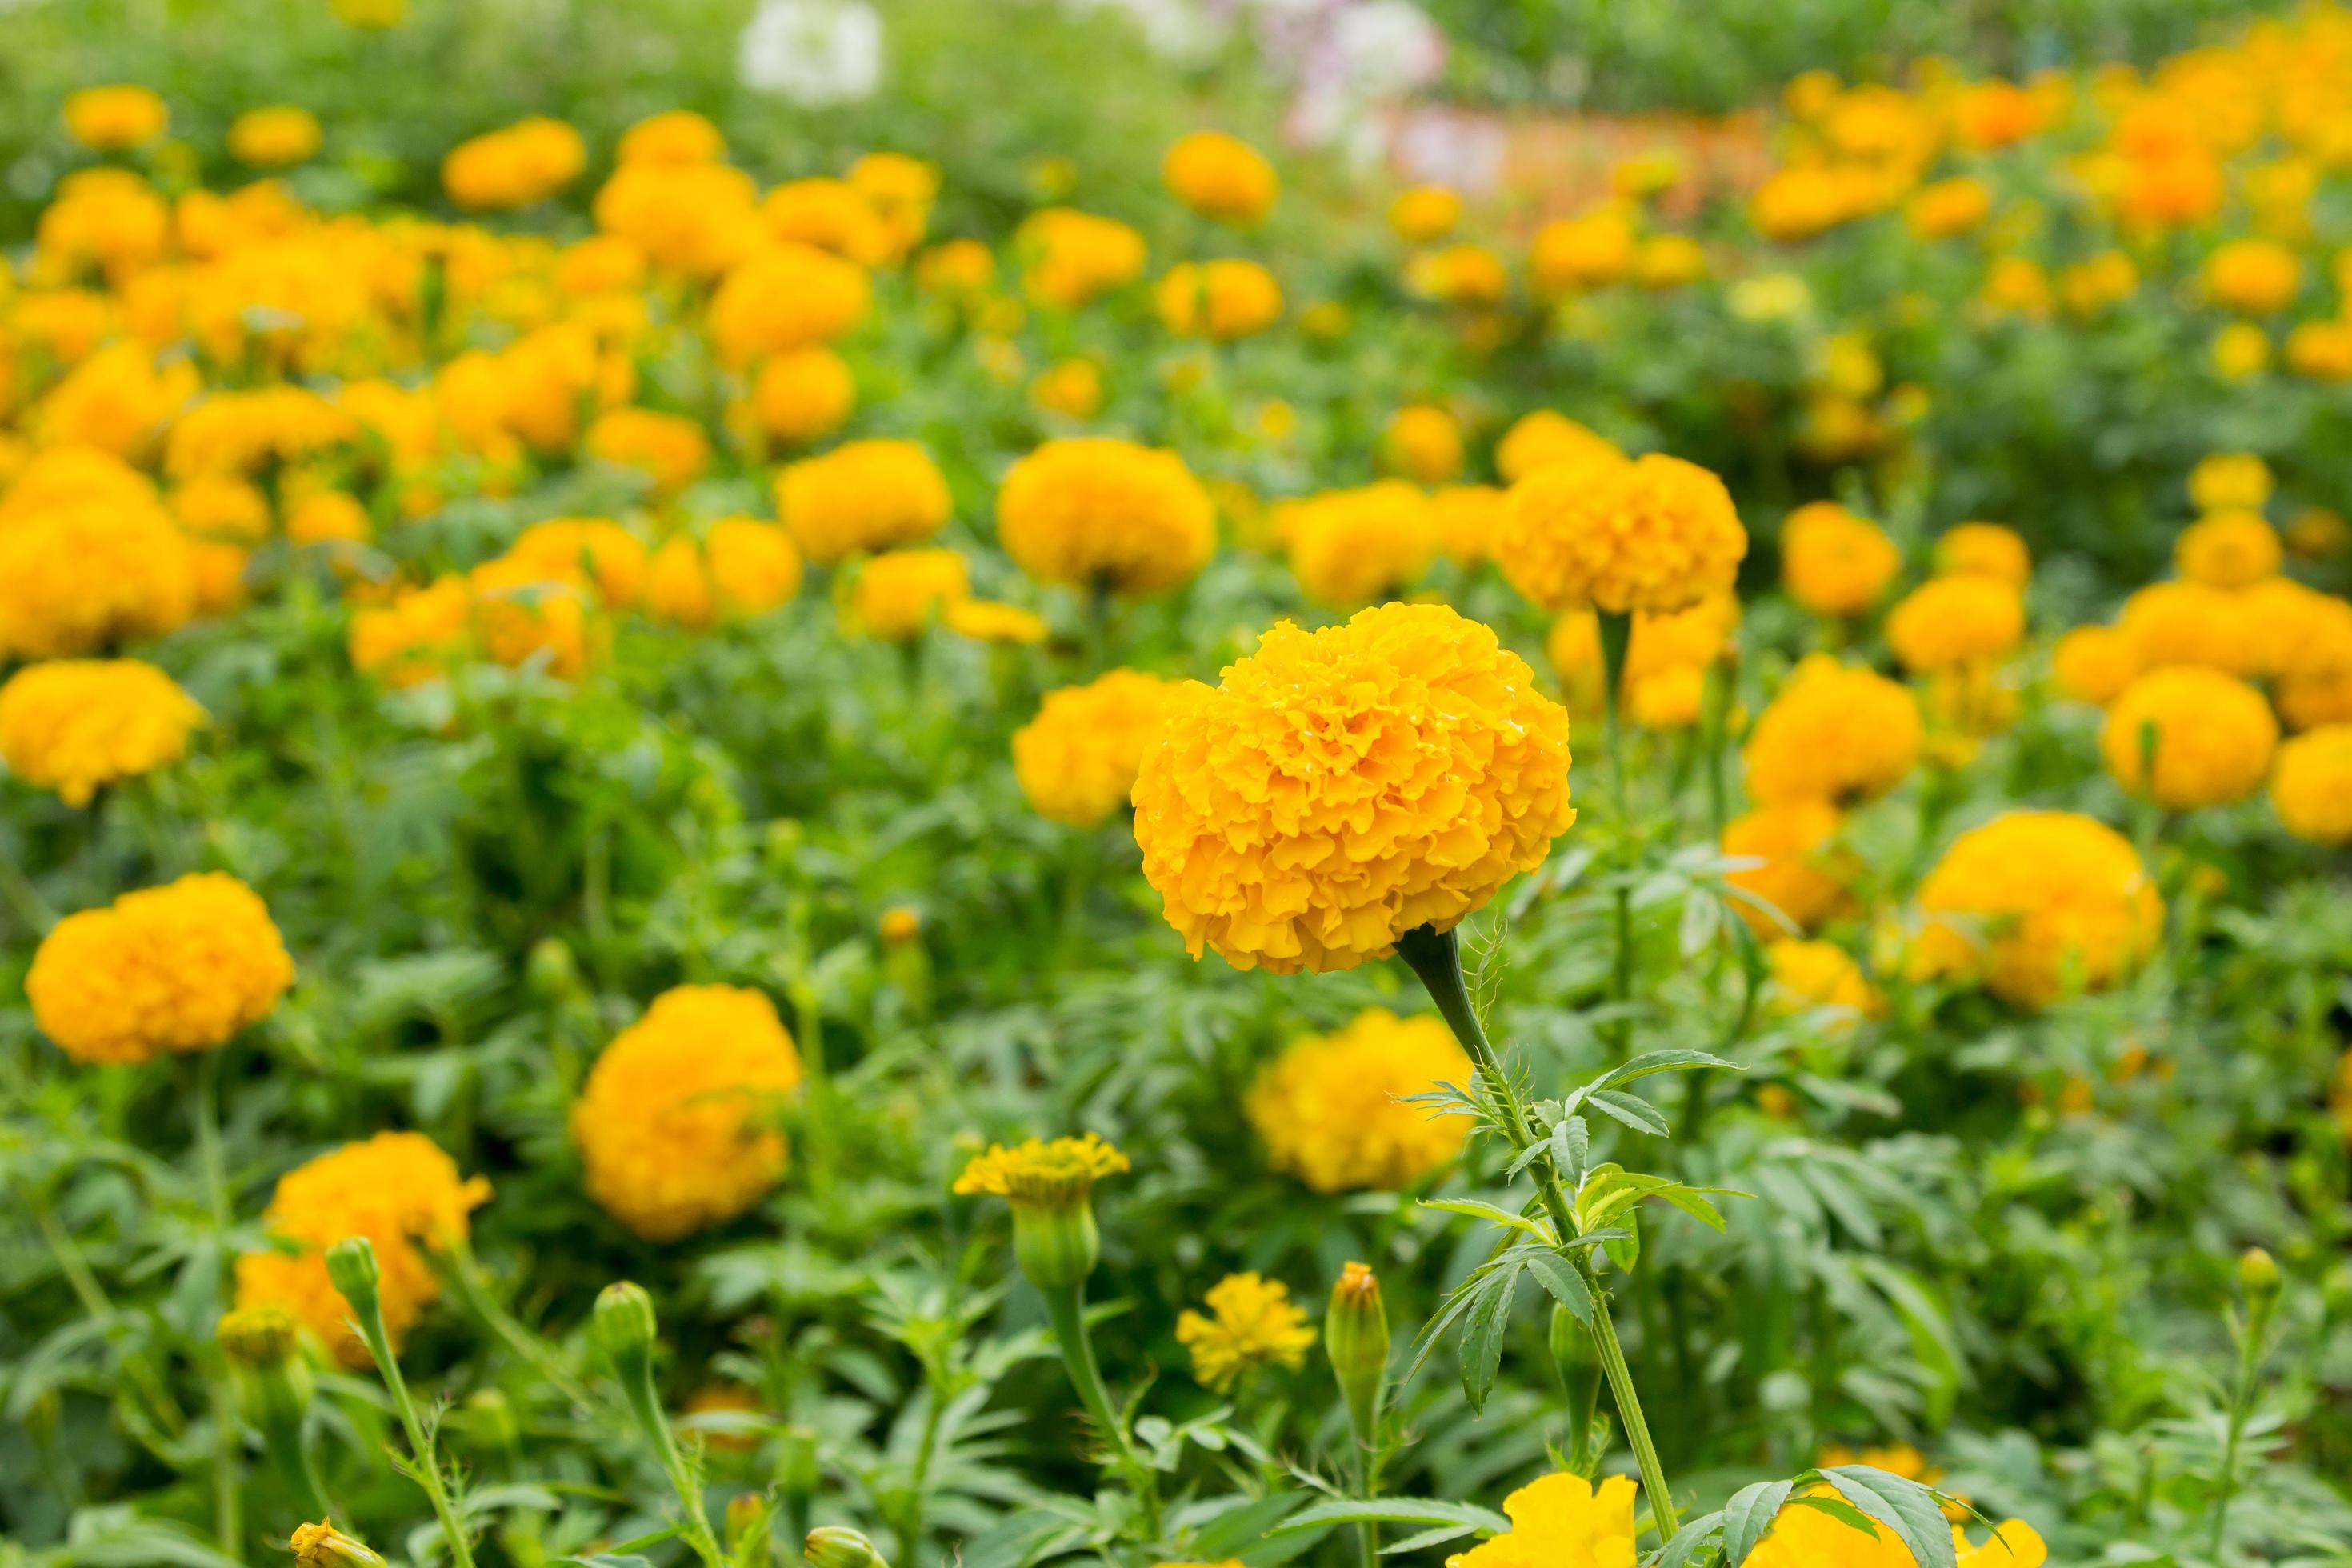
(351, 1267)
(1616, 639)
(2259, 1275)
(1066, 1309)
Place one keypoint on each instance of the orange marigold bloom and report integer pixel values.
(1542, 438)
(2311, 788)
(1220, 300)
(1331, 1108)
(2252, 277)
(75, 725)
(1100, 510)
(787, 296)
(1076, 760)
(2229, 549)
(862, 497)
(2094, 664)
(2037, 903)
(1985, 549)
(1348, 548)
(1803, 876)
(1832, 732)
(2212, 736)
(1833, 562)
(1220, 176)
(180, 968)
(1654, 533)
(1949, 622)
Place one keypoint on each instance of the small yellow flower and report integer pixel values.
(75, 725)
(1055, 1175)
(1331, 1108)
(1562, 1522)
(1251, 1323)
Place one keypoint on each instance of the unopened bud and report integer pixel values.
(553, 971)
(321, 1545)
(274, 1383)
(1356, 1338)
(351, 1269)
(838, 1546)
(1056, 1246)
(622, 1326)
(747, 1521)
(2258, 1272)
(901, 924)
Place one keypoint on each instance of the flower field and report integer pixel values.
(744, 820)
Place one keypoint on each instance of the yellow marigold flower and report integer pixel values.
(525, 161)
(1562, 1522)
(412, 639)
(2213, 736)
(1424, 214)
(1949, 207)
(900, 592)
(1465, 517)
(2318, 534)
(2018, 286)
(675, 1122)
(597, 551)
(786, 296)
(1423, 443)
(2229, 549)
(1543, 439)
(986, 620)
(329, 517)
(1985, 550)
(1804, 1537)
(526, 613)
(900, 190)
(1947, 623)
(2252, 277)
(1989, 114)
(79, 576)
(1351, 548)
(1581, 252)
(2311, 786)
(1804, 876)
(1037, 1175)
(1459, 275)
(963, 266)
(678, 586)
(2107, 278)
(830, 215)
(1076, 760)
(1251, 1323)
(1331, 1108)
(116, 119)
(699, 220)
(1220, 300)
(1098, 510)
(1669, 262)
(1803, 200)
(673, 136)
(668, 448)
(1220, 176)
(2094, 664)
(2192, 623)
(1341, 787)
(398, 1190)
(1654, 533)
(1073, 387)
(862, 497)
(73, 725)
(2321, 351)
(2229, 481)
(221, 506)
(1833, 562)
(119, 399)
(2238, 350)
(2037, 903)
(322, 1545)
(1808, 974)
(1070, 257)
(753, 565)
(178, 968)
(1832, 732)
(803, 394)
(274, 138)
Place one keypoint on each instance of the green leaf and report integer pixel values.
(1645, 1065)
(1632, 1109)
(1560, 1277)
(1905, 1507)
(1421, 1540)
(1477, 1209)
(1749, 1515)
(1838, 1509)
(1396, 1511)
(1688, 1543)
(1482, 1334)
(1231, 1532)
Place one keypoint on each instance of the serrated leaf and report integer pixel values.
(1560, 1278)
(1396, 1511)
(1476, 1209)
(1907, 1508)
(1749, 1515)
(1689, 1541)
(1632, 1109)
(1482, 1334)
(1645, 1065)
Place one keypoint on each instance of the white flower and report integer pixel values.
(1386, 48)
(813, 52)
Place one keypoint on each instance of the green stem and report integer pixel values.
(1436, 958)
(1616, 638)
(281, 1440)
(2241, 1403)
(1065, 1309)
(204, 1113)
(427, 1468)
(464, 1272)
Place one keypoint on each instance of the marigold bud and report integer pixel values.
(2258, 1272)
(321, 1545)
(274, 1383)
(1356, 1338)
(553, 972)
(838, 1546)
(351, 1268)
(747, 1522)
(623, 1326)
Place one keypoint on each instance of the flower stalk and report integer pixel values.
(1616, 639)
(623, 1326)
(352, 1269)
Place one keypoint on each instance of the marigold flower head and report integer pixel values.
(2229, 481)
(2229, 549)
(831, 216)
(1833, 562)
(900, 592)
(1423, 443)
(1331, 1108)
(1424, 214)
(2252, 277)
(990, 621)
(1947, 623)
(2212, 736)
(1985, 549)
(1220, 176)
(74, 725)
(2094, 664)
(1251, 1323)
(79, 576)
(700, 220)
(525, 161)
(955, 266)
(116, 119)
(803, 394)
(412, 639)
(595, 551)
(1353, 547)
(329, 517)
(1094, 510)
(1803, 1537)
(1585, 251)
(1562, 1520)
(523, 613)
(753, 565)
(862, 497)
(678, 586)
(786, 296)
(2036, 904)
(2238, 350)
(1041, 1175)
(675, 1123)
(1543, 438)
(1654, 533)
(1468, 274)
(2321, 351)
(1949, 207)
(274, 138)
(2193, 624)
(1807, 974)
(2311, 784)
(396, 1189)
(1070, 257)
(1220, 300)
(1669, 262)
(673, 136)
(668, 448)
(1341, 787)
(1076, 760)
(1803, 875)
(1832, 732)
(1073, 387)
(179, 968)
